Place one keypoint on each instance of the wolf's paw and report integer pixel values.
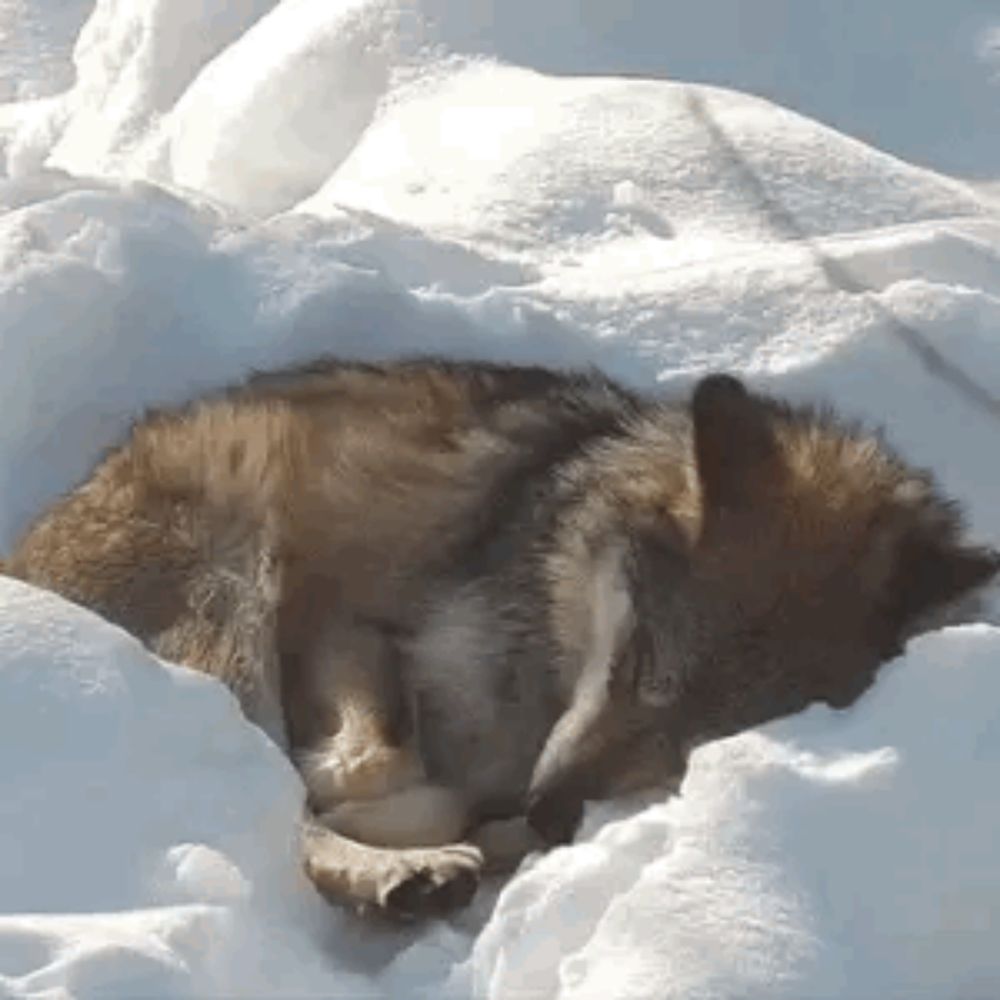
(408, 883)
(433, 882)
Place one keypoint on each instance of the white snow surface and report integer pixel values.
(194, 190)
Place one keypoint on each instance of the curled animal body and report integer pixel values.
(466, 598)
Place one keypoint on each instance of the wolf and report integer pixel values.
(467, 598)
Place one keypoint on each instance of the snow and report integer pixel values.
(507, 154)
(805, 193)
(184, 857)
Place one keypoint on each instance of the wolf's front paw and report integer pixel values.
(432, 882)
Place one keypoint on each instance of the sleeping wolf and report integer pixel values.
(466, 598)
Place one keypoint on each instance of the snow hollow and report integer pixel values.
(805, 194)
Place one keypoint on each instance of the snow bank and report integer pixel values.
(217, 190)
(147, 832)
(508, 155)
(133, 61)
(253, 103)
(268, 121)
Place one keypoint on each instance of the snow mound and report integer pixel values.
(267, 122)
(145, 826)
(918, 78)
(506, 155)
(133, 60)
(253, 104)
(79, 703)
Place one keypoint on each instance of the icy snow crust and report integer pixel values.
(208, 188)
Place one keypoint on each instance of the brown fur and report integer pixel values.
(460, 593)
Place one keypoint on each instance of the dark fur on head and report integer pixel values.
(777, 557)
(843, 543)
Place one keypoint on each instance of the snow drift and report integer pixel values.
(199, 192)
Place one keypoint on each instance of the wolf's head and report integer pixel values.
(786, 559)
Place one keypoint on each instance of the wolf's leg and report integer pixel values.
(423, 815)
(348, 720)
(403, 882)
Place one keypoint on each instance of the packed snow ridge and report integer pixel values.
(193, 190)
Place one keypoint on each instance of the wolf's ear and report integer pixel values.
(931, 572)
(734, 445)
